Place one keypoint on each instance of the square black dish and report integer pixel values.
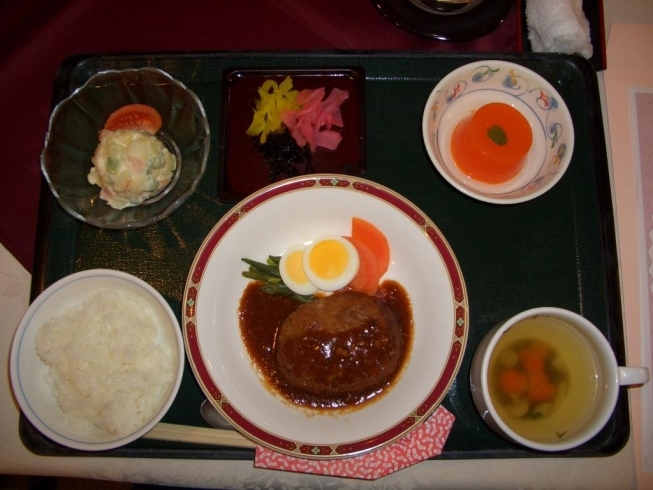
(244, 168)
(557, 250)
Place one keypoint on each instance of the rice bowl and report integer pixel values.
(97, 385)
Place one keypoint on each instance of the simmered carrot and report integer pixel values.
(540, 388)
(490, 145)
(370, 235)
(368, 276)
(533, 356)
(513, 382)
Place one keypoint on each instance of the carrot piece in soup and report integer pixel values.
(540, 388)
(368, 276)
(513, 382)
(490, 145)
(533, 356)
(371, 236)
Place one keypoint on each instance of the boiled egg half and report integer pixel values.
(331, 262)
(327, 264)
(291, 269)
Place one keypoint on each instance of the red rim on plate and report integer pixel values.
(380, 436)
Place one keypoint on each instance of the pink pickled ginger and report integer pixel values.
(312, 122)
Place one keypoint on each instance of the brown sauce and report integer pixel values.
(260, 317)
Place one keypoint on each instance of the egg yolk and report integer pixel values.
(490, 145)
(294, 268)
(328, 259)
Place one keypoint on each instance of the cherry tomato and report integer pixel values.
(134, 116)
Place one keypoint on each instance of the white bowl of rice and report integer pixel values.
(97, 360)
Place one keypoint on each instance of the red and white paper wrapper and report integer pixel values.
(426, 441)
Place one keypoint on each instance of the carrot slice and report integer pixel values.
(368, 276)
(513, 382)
(375, 240)
(540, 388)
(533, 356)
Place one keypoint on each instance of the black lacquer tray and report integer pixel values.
(557, 250)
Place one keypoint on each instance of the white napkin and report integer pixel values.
(558, 26)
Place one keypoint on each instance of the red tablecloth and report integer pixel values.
(36, 36)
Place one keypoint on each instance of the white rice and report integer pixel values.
(107, 367)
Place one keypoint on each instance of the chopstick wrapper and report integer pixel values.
(558, 26)
(426, 441)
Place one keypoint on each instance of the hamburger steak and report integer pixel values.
(344, 343)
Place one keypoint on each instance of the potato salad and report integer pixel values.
(130, 166)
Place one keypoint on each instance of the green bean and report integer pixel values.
(260, 276)
(268, 273)
(269, 269)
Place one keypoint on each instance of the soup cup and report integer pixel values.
(589, 399)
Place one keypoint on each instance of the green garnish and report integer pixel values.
(270, 277)
(112, 165)
(497, 135)
(533, 416)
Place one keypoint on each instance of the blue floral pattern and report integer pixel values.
(458, 89)
(483, 73)
(512, 81)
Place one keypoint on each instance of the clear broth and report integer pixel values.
(569, 366)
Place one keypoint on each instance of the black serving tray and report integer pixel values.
(557, 250)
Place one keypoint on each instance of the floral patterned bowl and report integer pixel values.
(471, 86)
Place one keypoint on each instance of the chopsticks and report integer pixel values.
(198, 435)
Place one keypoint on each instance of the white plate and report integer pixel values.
(471, 86)
(29, 373)
(298, 210)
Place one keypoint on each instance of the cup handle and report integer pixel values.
(633, 375)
